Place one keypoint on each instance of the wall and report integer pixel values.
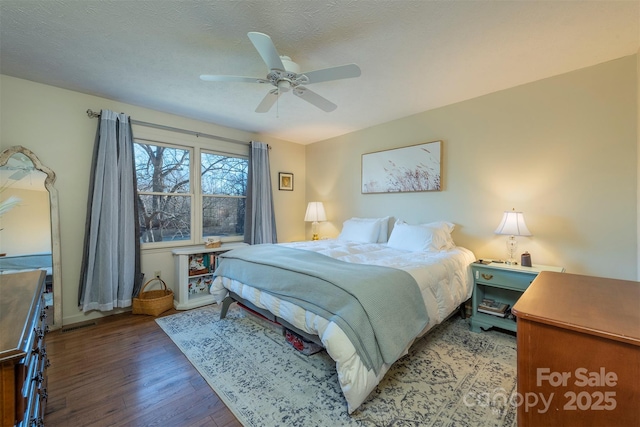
(563, 150)
(52, 123)
(26, 227)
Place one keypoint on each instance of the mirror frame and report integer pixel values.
(55, 226)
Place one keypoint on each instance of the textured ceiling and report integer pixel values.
(414, 55)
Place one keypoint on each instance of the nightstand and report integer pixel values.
(192, 283)
(502, 283)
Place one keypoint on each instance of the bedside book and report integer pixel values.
(495, 308)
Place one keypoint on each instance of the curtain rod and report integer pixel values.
(92, 114)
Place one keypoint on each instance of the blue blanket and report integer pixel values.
(26, 262)
(380, 309)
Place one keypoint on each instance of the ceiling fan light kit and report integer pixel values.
(285, 75)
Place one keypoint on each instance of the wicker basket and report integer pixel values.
(153, 302)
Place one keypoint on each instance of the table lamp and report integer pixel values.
(315, 213)
(512, 224)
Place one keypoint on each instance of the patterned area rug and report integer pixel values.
(451, 377)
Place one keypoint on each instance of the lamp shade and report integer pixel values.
(315, 212)
(513, 224)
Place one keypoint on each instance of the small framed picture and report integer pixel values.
(285, 181)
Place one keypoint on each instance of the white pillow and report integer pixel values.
(360, 231)
(446, 226)
(418, 237)
(383, 236)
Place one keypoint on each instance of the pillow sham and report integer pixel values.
(419, 237)
(383, 235)
(360, 231)
(446, 226)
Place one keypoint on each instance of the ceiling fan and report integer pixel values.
(285, 75)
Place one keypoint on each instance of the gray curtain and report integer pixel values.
(110, 273)
(259, 217)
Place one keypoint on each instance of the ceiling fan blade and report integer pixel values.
(268, 101)
(267, 50)
(334, 73)
(315, 99)
(210, 78)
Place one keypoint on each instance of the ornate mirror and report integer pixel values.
(29, 222)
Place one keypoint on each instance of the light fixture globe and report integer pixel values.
(284, 85)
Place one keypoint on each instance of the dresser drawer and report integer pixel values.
(23, 359)
(31, 372)
(505, 279)
(34, 415)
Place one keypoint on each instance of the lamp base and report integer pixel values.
(314, 230)
(512, 245)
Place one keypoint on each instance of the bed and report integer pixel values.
(424, 253)
(28, 262)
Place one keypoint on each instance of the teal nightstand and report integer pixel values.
(503, 283)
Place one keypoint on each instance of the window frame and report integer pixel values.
(195, 146)
(201, 194)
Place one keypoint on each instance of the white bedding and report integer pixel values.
(444, 279)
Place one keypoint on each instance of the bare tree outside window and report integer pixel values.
(224, 190)
(165, 193)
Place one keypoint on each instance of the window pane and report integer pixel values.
(223, 216)
(166, 195)
(161, 169)
(164, 218)
(222, 175)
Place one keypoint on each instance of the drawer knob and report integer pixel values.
(41, 332)
(486, 276)
(39, 377)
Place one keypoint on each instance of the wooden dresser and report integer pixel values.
(578, 352)
(23, 356)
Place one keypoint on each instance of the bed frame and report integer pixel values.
(233, 297)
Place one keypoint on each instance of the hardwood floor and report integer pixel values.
(124, 371)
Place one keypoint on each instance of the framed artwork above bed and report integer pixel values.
(400, 170)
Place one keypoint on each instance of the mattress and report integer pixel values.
(27, 262)
(444, 279)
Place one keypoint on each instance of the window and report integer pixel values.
(224, 190)
(164, 192)
(168, 196)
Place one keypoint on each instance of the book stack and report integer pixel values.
(493, 307)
